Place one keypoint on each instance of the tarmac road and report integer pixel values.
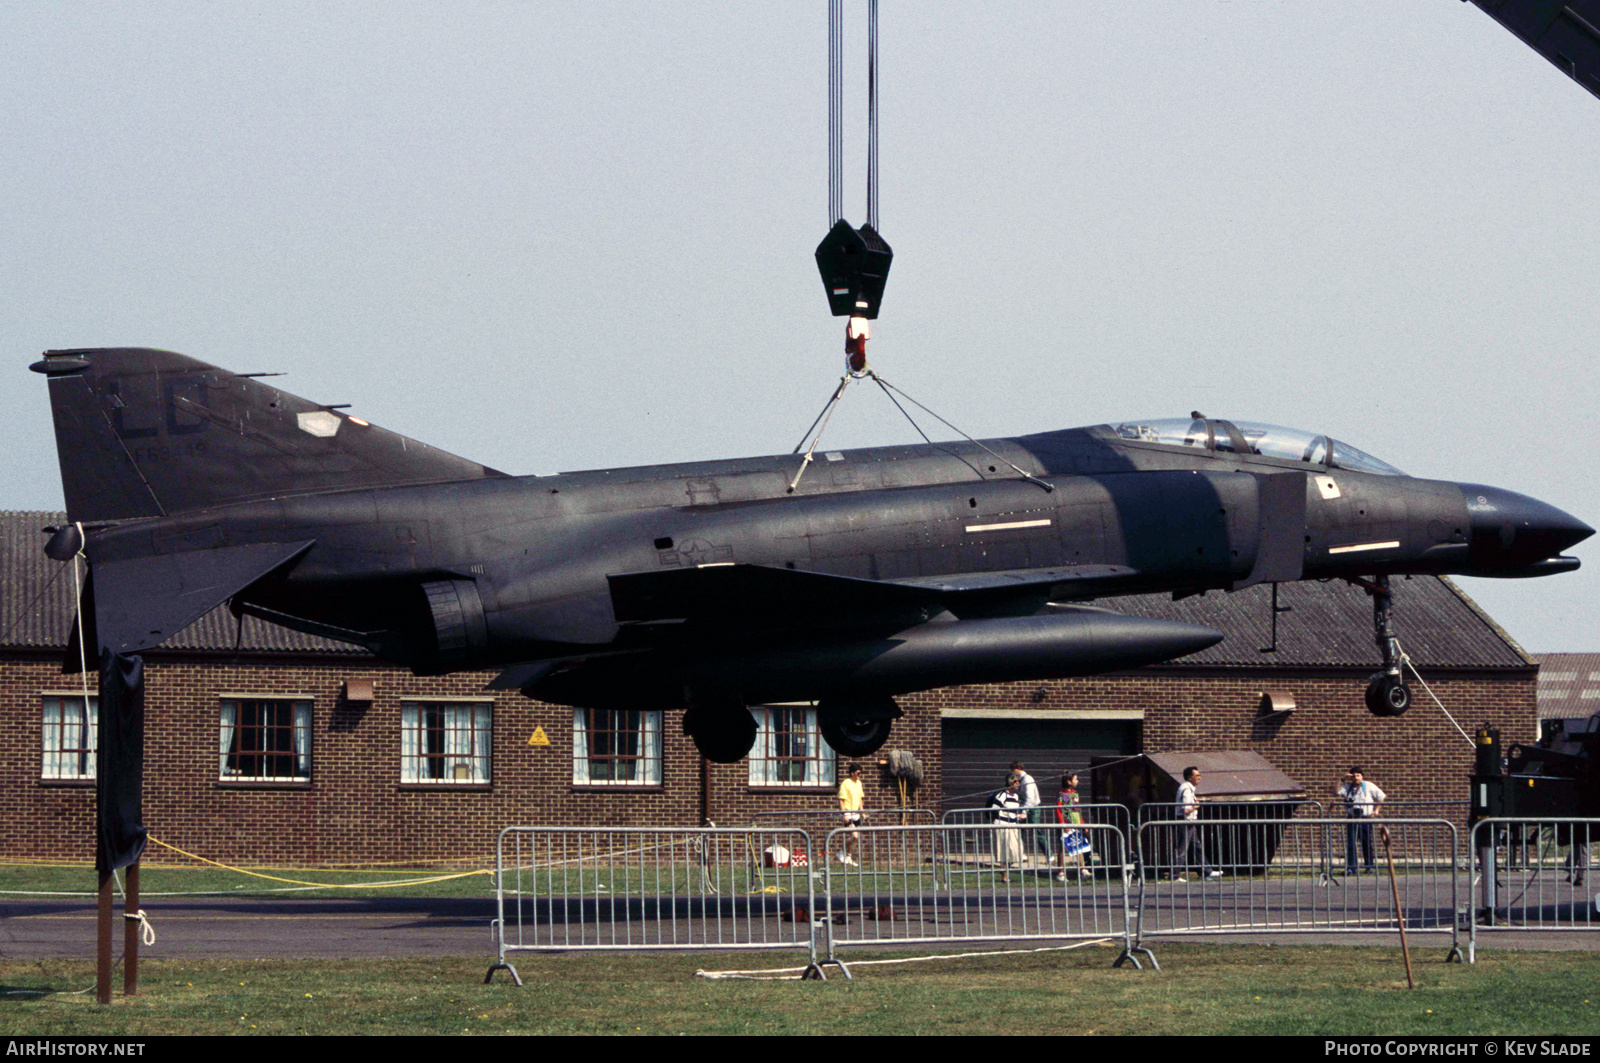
(254, 927)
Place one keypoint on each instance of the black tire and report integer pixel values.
(855, 738)
(1387, 696)
(722, 736)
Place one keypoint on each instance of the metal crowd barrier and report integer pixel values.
(1290, 876)
(1007, 900)
(1457, 812)
(1241, 841)
(1535, 874)
(969, 844)
(581, 888)
(567, 889)
(818, 823)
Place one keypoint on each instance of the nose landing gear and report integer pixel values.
(1387, 693)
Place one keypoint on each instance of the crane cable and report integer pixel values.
(836, 112)
(872, 114)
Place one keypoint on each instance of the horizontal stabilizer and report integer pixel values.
(143, 601)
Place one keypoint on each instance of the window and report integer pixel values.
(70, 737)
(265, 740)
(616, 747)
(789, 751)
(444, 742)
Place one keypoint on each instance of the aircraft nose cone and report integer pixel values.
(1511, 530)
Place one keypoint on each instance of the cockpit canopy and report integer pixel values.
(1250, 437)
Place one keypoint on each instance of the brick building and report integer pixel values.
(1569, 691)
(1213, 700)
(269, 745)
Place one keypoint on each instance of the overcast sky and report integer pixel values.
(566, 236)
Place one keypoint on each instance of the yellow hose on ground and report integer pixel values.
(322, 885)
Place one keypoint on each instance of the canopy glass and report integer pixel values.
(1252, 437)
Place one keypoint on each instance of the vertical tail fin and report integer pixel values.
(144, 433)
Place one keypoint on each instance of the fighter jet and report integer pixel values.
(710, 586)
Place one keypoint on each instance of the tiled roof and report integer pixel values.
(37, 603)
(1569, 685)
(1330, 625)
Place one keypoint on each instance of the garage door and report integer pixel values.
(978, 753)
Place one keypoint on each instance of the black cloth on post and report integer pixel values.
(119, 782)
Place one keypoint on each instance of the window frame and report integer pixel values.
(477, 736)
(818, 770)
(86, 754)
(647, 757)
(300, 728)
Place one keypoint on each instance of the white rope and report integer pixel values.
(780, 974)
(147, 932)
(1405, 659)
(77, 590)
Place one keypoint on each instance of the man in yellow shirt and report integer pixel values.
(850, 798)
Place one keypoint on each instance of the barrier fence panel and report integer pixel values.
(969, 843)
(1456, 812)
(1244, 841)
(1292, 876)
(818, 821)
(1535, 874)
(561, 889)
(1008, 898)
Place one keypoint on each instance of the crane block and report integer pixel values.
(854, 264)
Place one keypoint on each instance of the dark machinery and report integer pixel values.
(1558, 776)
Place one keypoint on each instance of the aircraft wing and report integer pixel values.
(1567, 34)
(756, 592)
(776, 596)
(1019, 592)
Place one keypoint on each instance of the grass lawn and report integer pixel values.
(1200, 990)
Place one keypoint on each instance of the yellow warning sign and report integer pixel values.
(538, 738)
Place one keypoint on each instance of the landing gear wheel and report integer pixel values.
(724, 734)
(857, 725)
(1387, 695)
(855, 738)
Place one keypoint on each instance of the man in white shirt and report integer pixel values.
(1029, 793)
(1362, 799)
(1189, 835)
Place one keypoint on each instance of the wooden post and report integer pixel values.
(1399, 913)
(131, 929)
(102, 982)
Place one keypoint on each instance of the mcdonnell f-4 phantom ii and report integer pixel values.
(710, 586)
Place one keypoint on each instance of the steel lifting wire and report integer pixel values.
(820, 424)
